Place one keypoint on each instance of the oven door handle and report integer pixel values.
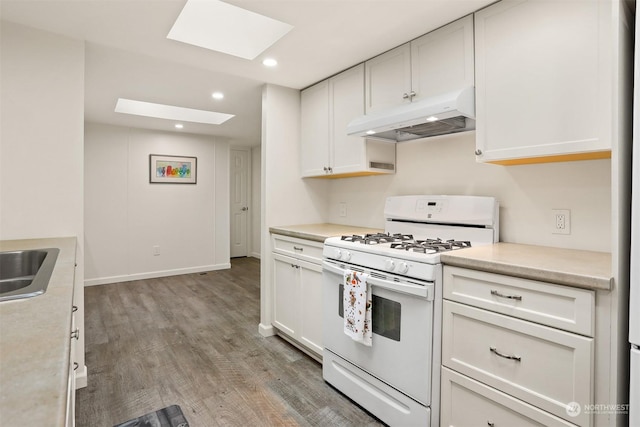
(424, 291)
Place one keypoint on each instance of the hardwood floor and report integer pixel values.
(193, 341)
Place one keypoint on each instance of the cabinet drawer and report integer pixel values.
(545, 367)
(298, 248)
(466, 402)
(558, 306)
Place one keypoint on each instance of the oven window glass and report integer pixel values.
(385, 315)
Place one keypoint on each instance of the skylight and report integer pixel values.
(219, 26)
(170, 112)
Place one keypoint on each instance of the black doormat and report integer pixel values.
(171, 416)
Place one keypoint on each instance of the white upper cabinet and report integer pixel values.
(544, 78)
(442, 61)
(388, 79)
(436, 63)
(314, 126)
(325, 149)
(346, 92)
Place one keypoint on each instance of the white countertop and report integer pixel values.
(35, 340)
(320, 232)
(571, 267)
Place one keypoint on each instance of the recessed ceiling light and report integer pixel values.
(269, 62)
(219, 26)
(217, 95)
(179, 125)
(170, 112)
(432, 119)
(370, 132)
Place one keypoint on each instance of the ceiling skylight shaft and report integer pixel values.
(170, 112)
(219, 26)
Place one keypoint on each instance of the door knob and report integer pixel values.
(244, 209)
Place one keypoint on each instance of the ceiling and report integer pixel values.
(129, 56)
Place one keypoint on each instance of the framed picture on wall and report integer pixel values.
(165, 169)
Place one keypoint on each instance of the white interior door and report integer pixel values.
(239, 201)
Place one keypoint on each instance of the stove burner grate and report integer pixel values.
(377, 238)
(431, 245)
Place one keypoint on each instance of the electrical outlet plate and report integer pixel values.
(561, 221)
(343, 209)
(156, 250)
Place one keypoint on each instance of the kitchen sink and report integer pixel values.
(26, 274)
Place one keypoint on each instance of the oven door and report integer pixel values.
(402, 324)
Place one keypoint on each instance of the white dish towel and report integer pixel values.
(357, 307)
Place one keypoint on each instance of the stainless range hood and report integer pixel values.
(448, 113)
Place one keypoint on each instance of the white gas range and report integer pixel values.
(397, 378)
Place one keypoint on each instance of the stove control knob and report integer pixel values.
(346, 255)
(403, 267)
(338, 254)
(389, 265)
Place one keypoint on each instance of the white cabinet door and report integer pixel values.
(436, 63)
(544, 79)
(561, 307)
(297, 294)
(305, 250)
(311, 305)
(286, 294)
(466, 402)
(388, 79)
(325, 149)
(442, 60)
(634, 388)
(347, 102)
(71, 379)
(545, 367)
(314, 130)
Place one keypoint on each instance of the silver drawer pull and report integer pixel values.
(75, 334)
(295, 248)
(498, 294)
(506, 356)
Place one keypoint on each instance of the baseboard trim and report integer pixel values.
(317, 357)
(266, 330)
(154, 274)
(81, 377)
(255, 255)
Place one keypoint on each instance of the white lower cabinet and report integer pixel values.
(286, 288)
(466, 402)
(311, 306)
(496, 359)
(71, 379)
(297, 287)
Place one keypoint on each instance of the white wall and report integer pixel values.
(41, 139)
(446, 165)
(125, 215)
(256, 178)
(41, 145)
(286, 199)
